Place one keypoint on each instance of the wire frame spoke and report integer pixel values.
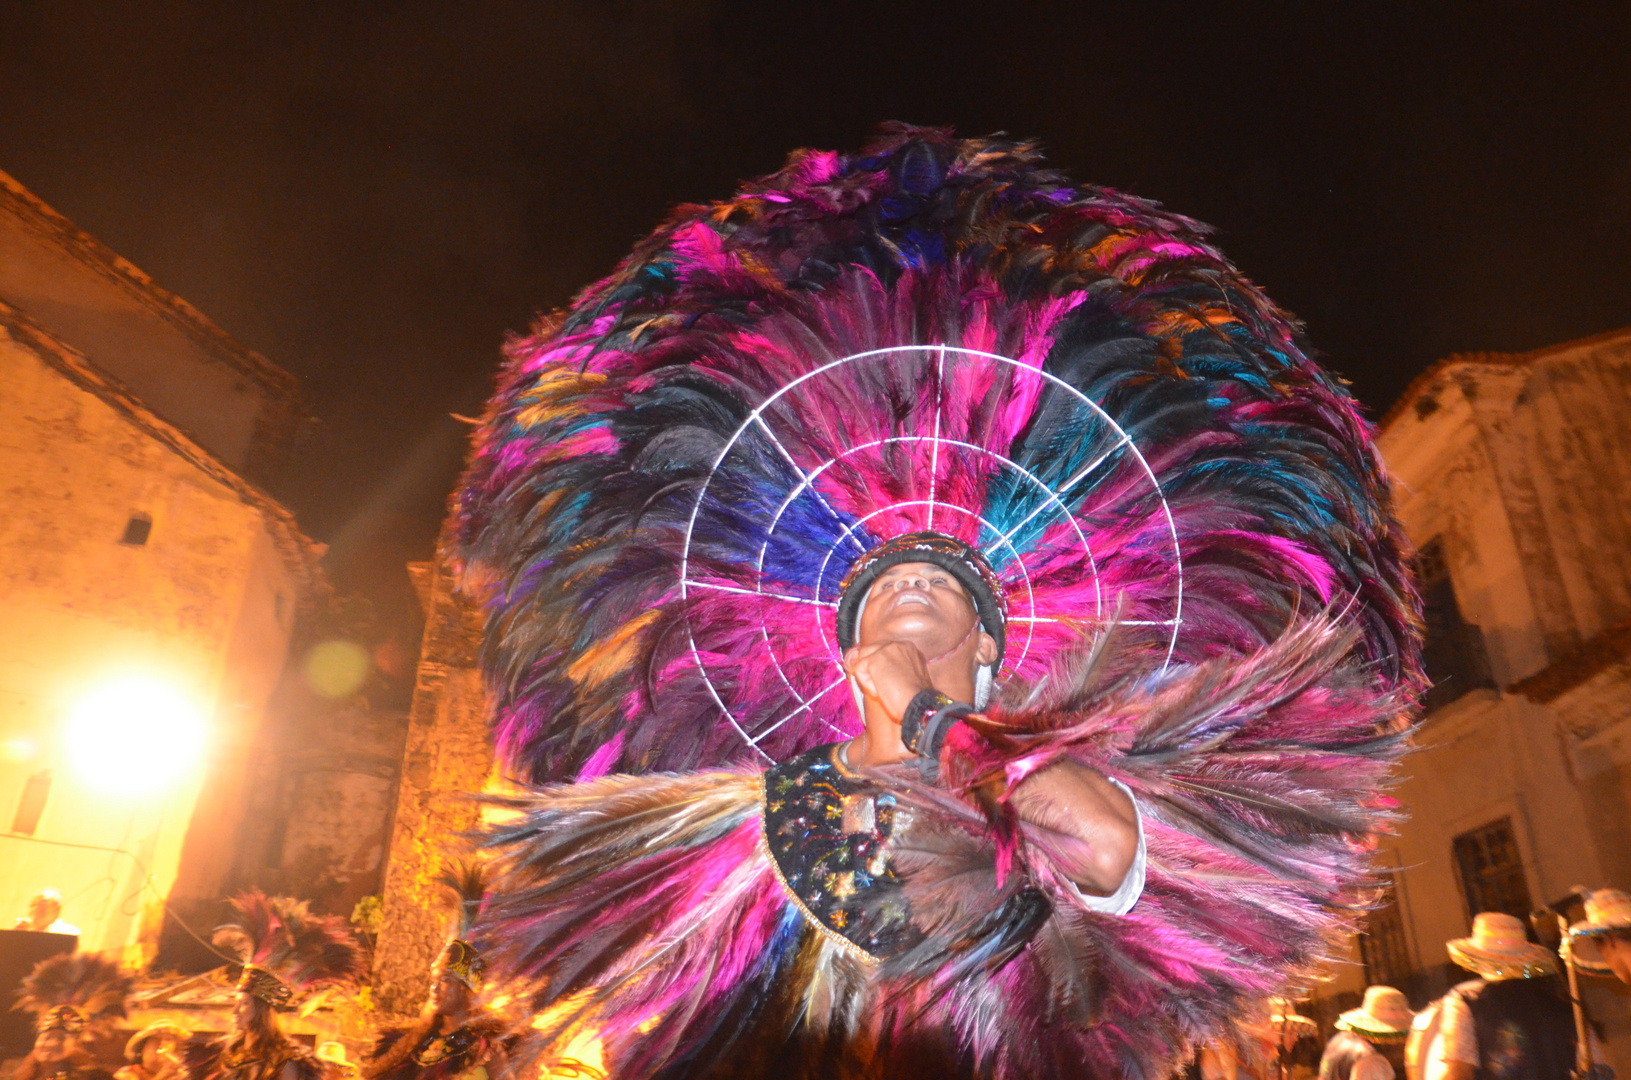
(1054, 506)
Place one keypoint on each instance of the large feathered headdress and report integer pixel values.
(286, 950)
(65, 992)
(935, 334)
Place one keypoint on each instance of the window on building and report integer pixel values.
(29, 808)
(137, 530)
(1453, 652)
(1382, 946)
(1492, 870)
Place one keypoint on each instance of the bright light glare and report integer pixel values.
(18, 751)
(134, 734)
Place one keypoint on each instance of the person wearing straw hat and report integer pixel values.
(1513, 1022)
(153, 1053)
(1295, 1039)
(1369, 1042)
(1601, 943)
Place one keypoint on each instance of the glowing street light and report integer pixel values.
(134, 734)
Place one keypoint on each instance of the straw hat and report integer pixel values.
(1607, 910)
(1500, 949)
(133, 1048)
(1385, 1012)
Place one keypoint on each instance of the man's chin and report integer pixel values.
(931, 639)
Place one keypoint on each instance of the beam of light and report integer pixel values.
(134, 734)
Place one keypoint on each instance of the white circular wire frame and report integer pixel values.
(807, 478)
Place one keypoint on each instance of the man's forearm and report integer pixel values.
(1093, 823)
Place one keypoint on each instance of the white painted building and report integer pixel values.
(1512, 475)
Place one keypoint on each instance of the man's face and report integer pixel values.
(243, 1010)
(446, 992)
(43, 911)
(156, 1052)
(53, 1046)
(1617, 955)
(917, 602)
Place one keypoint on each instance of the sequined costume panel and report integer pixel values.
(829, 832)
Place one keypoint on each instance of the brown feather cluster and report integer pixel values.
(282, 935)
(467, 880)
(93, 985)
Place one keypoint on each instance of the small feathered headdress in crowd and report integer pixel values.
(460, 959)
(65, 992)
(286, 950)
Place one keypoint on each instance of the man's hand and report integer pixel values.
(891, 673)
(1089, 825)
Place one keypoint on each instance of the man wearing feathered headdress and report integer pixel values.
(455, 1038)
(74, 998)
(286, 952)
(955, 628)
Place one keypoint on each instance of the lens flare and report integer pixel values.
(135, 734)
(18, 751)
(337, 669)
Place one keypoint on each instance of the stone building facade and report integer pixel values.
(1513, 480)
(133, 540)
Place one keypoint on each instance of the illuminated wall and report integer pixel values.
(447, 757)
(126, 550)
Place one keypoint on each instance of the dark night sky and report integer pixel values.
(372, 195)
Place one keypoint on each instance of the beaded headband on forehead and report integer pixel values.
(462, 961)
(259, 983)
(63, 1018)
(962, 560)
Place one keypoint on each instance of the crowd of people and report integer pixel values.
(1514, 1020)
(1517, 1019)
(285, 954)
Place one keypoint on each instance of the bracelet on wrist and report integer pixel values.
(927, 719)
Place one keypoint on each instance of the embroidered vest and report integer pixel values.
(829, 833)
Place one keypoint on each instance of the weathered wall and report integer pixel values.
(1528, 459)
(206, 604)
(320, 822)
(1521, 466)
(1484, 757)
(447, 759)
